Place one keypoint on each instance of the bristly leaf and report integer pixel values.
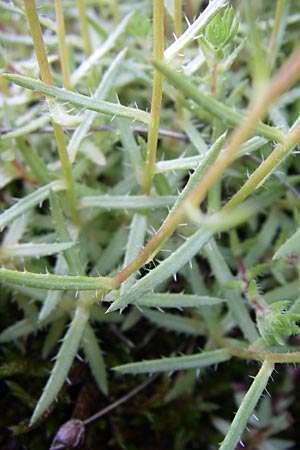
(135, 242)
(210, 104)
(93, 353)
(166, 269)
(177, 300)
(83, 101)
(59, 282)
(174, 322)
(247, 406)
(71, 256)
(198, 25)
(171, 364)
(135, 202)
(290, 247)
(33, 250)
(101, 93)
(63, 362)
(27, 203)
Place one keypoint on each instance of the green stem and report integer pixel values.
(158, 47)
(67, 169)
(40, 51)
(272, 50)
(178, 17)
(247, 407)
(258, 62)
(265, 169)
(38, 40)
(84, 27)
(62, 44)
(116, 11)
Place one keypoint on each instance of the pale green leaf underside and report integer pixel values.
(194, 29)
(34, 250)
(136, 202)
(177, 300)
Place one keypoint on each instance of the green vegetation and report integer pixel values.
(149, 224)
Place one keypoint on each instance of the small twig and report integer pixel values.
(121, 336)
(121, 400)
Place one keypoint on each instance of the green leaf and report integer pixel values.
(211, 105)
(195, 28)
(33, 250)
(165, 269)
(290, 247)
(235, 303)
(174, 322)
(247, 406)
(171, 364)
(88, 118)
(63, 362)
(135, 202)
(135, 242)
(19, 329)
(59, 282)
(177, 300)
(93, 60)
(83, 101)
(71, 256)
(28, 202)
(93, 353)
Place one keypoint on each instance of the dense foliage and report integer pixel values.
(149, 224)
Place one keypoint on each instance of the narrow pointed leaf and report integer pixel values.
(174, 322)
(63, 362)
(28, 202)
(59, 282)
(210, 104)
(290, 247)
(167, 268)
(93, 354)
(80, 100)
(171, 364)
(34, 250)
(177, 300)
(135, 202)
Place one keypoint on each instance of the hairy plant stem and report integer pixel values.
(40, 51)
(286, 76)
(265, 169)
(153, 127)
(276, 358)
(87, 46)
(247, 406)
(62, 44)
